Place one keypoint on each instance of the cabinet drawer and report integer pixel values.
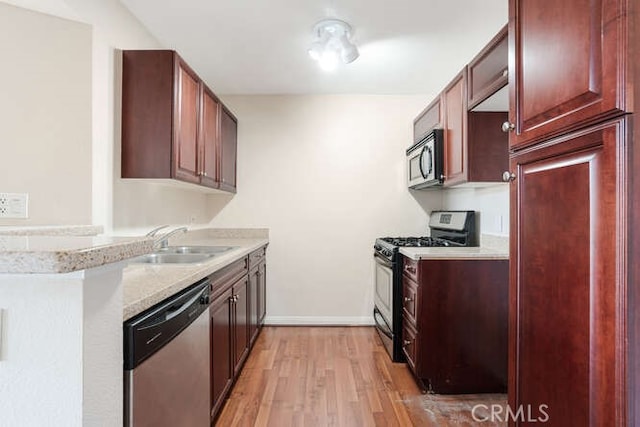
(223, 278)
(410, 268)
(409, 344)
(409, 300)
(256, 256)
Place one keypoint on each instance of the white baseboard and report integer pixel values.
(319, 320)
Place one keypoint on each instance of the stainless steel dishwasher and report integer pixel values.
(166, 362)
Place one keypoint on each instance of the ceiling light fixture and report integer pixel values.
(333, 44)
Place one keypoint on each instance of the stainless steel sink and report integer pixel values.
(173, 258)
(195, 249)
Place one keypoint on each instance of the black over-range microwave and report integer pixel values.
(425, 161)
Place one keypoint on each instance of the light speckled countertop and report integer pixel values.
(491, 247)
(147, 284)
(51, 230)
(64, 253)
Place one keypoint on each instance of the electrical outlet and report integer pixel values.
(14, 205)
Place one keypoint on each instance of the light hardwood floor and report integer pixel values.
(327, 376)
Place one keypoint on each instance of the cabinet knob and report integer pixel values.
(408, 299)
(204, 174)
(442, 177)
(508, 176)
(508, 127)
(505, 72)
(406, 343)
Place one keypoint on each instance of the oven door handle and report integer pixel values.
(381, 324)
(382, 260)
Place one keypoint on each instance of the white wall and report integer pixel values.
(45, 115)
(120, 206)
(492, 203)
(123, 205)
(326, 175)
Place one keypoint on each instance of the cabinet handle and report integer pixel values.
(406, 343)
(408, 299)
(508, 176)
(508, 127)
(204, 174)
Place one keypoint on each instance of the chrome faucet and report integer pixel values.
(155, 230)
(163, 241)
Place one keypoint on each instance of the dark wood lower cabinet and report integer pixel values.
(221, 349)
(455, 324)
(236, 320)
(568, 296)
(240, 323)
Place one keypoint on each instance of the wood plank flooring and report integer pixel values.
(332, 376)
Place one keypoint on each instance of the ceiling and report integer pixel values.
(260, 46)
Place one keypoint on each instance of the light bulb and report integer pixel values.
(329, 60)
(315, 51)
(349, 53)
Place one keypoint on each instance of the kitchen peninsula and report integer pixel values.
(63, 298)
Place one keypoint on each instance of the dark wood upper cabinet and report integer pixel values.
(228, 150)
(471, 110)
(489, 70)
(568, 307)
(173, 126)
(209, 138)
(430, 118)
(569, 64)
(454, 100)
(185, 142)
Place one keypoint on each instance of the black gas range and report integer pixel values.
(447, 229)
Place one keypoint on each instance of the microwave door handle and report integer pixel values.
(420, 162)
(430, 160)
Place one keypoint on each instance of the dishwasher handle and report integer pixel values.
(148, 332)
(178, 309)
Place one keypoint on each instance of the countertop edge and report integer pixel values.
(451, 253)
(56, 261)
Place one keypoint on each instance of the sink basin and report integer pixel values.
(173, 258)
(195, 249)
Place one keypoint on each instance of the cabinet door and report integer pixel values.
(221, 349)
(567, 295)
(428, 119)
(228, 150)
(209, 140)
(254, 284)
(241, 323)
(187, 105)
(455, 130)
(262, 292)
(489, 71)
(568, 59)
(410, 344)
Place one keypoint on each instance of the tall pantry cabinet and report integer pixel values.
(574, 171)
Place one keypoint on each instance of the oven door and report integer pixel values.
(383, 292)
